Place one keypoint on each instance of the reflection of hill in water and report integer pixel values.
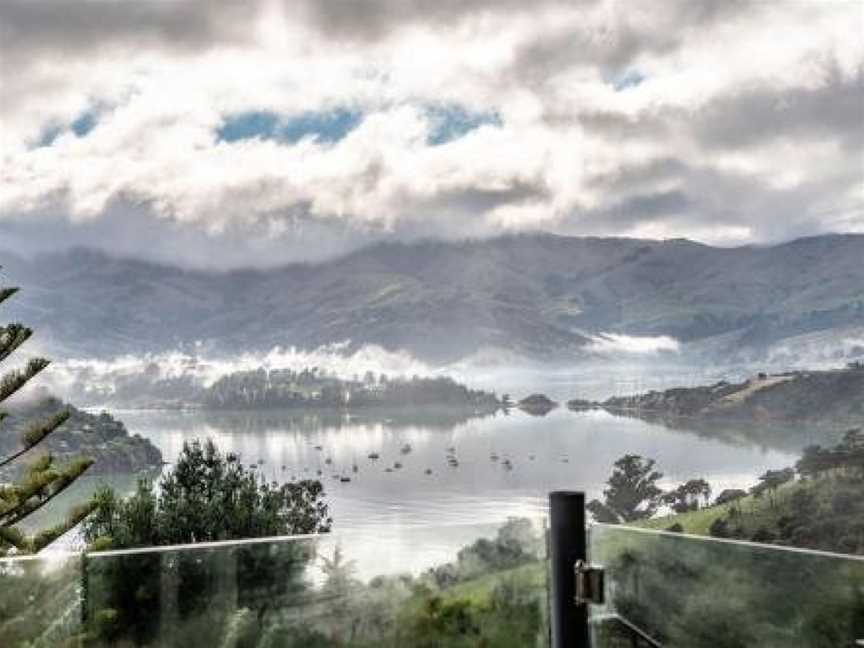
(305, 420)
(788, 437)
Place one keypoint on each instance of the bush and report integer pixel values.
(763, 534)
(844, 502)
(719, 528)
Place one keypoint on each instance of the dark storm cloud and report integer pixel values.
(76, 28)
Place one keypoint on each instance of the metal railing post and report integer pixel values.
(567, 545)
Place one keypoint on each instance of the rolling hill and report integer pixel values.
(541, 296)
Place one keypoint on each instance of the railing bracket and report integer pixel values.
(590, 583)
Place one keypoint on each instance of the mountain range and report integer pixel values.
(541, 296)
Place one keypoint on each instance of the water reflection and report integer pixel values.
(475, 470)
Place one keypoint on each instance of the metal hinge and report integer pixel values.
(590, 582)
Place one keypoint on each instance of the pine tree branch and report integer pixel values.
(10, 537)
(15, 380)
(43, 482)
(6, 293)
(73, 519)
(46, 489)
(12, 337)
(36, 433)
(13, 537)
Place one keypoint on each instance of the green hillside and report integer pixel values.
(825, 514)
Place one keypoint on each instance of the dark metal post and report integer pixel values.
(566, 546)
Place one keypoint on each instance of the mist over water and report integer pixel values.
(615, 365)
(88, 380)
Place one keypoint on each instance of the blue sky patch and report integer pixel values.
(81, 126)
(451, 122)
(47, 136)
(324, 126)
(627, 79)
(85, 123)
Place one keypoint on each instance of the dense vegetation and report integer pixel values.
(493, 594)
(817, 504)
(287, 594)
(684, 592)
(311, 387)
(205, 497)
(687, 593)
(822, 509)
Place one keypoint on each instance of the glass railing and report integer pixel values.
(442, 587)
(405, 587)
(668, 589)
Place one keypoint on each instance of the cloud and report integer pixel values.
(377, 19)
(616, 344)
(87, 26)
(280, 131)
(70, 376)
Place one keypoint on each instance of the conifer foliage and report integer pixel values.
(43, 479)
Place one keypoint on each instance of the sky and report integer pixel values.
(223, 134)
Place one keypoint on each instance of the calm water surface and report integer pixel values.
(422, 512)
(564, 450)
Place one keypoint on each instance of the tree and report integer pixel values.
(729, 495)
(687, 496)
(770, 482)
(337, 589)
(632, 492)
(43, 479)
(851, 450)
(816, 460)
(205, 497)
(732, 497)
